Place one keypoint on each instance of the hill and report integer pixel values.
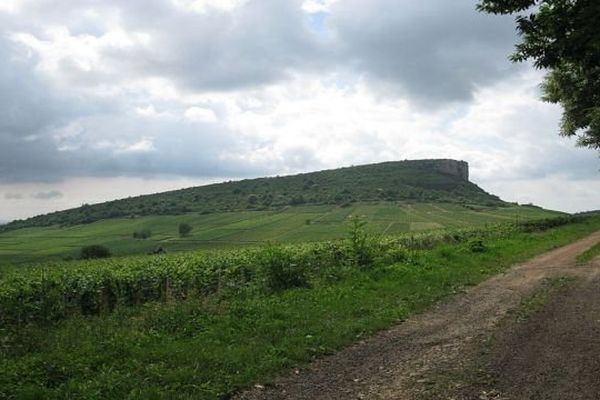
(411, 180)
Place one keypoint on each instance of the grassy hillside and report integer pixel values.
(239, 228)
(416, 180)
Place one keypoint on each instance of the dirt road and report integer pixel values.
(471, 347)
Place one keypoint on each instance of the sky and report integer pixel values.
(104, 99)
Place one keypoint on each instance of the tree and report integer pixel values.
(94, 251)
(184, 229)
(563, 37)
(142, 234)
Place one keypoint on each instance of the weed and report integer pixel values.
(476, 246)
(359, 242)
(589, 254)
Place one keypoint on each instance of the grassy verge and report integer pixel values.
(206, 348)
(589, 255)
(537, 300)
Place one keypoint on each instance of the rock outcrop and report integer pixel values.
(453, 167)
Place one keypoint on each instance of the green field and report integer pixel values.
(234, 229)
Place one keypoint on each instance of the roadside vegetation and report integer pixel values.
(589, 255)
(205, 325)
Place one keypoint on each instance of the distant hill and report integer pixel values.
(411, 180)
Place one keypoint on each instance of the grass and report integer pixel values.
(589, 255)
(244, 228)
(206, 348)
(540, 297)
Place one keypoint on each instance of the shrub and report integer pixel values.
(142, 234)
(359, 242)
(184, 229)
(279, 270)
(158, 250)
(296, 200)
(252, 199)
(546, 223)
(94, 251)
(389, 252)
(476, 245)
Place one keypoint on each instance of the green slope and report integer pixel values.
(416, 180)
(239, 228)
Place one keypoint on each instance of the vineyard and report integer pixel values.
(56, 290)
(248, 228)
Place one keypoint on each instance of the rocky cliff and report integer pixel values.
(453, 167)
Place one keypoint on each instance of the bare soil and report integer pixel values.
(472, 347)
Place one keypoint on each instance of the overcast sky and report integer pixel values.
(102, 99)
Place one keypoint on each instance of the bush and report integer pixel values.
(476, 246)
(279, 270)
(252, 199)
(184, 229)
(94, 251)
(142, 234)
(546, 223)
(359, 242)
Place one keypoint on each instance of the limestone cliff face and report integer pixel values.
(453, 167)
(460, 169)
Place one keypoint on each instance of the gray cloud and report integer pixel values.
(431, 53)
(122, 145)
(26, 105)
(27, 109)
(52, 194)
(13, 196)
(257, 43)
(434, 51)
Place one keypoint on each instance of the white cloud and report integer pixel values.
(199, 114)
(205, 6)
(77, 60)
(317, 6)
(11, 6)
(555, 191)
(142, 146)
(150, 111)
(69, 131)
